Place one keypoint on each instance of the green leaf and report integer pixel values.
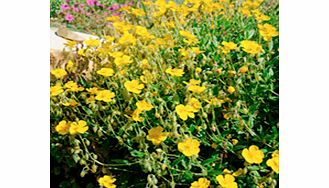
(253, 168)
(120, 161)
(188, 175)
(214, 172)
(87, 110)
(138, 154)
(177, 161)
(251, 33)
(210, 160)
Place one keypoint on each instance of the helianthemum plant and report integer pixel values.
(170, 95)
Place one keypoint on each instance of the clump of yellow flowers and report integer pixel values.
(171, 94)
(73, 128)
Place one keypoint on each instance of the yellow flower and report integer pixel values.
(183, 52)
(71, 102)
(122, 27)
(147, 3)
(231, 89)
(116, 54)
(226, 181)
(144, 63)
(228, 46)
(201, 183)
(123, 72)
(90, 100)
(62, 127)
(69, 65)
(109, 39)
(134, 86)
(253, 155)
(195, 104)
(56, 90)
(143, 79)
(196, 50)
(235, 141)
(243, 69)
(78, 127)
(274, 162)
(216, 102)
(226, 171)
(213, 145)
(184, 111)
(106, 72)
(70, 43)
(169, 24)
(259, 16)
(144, 106)
(239, 172)
(198, 70)
(193, 86)
(92, 90)
(72, 86)
(143, 33)
(245, 11)
(251, 47)
(156, 136)
(189, 147)
(105, 95)
(267, 31)
(137, 12)
(127, 39)
(82, 52)
(175, 72)
(160, 42)
(135, 115)
(92, 42)
(193, 82)
(58, 73)
(275, 153)
(113, 18)
(196, 89)
(227, 116)
(123, 60)
(190, 38)
(107, 181)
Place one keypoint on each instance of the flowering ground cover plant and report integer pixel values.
(85, 15)
(172, 95)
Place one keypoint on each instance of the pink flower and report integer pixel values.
(69, 17)
(115, 14)
(91, 2)
(65, 7)
(114, 7)
(75, 9)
